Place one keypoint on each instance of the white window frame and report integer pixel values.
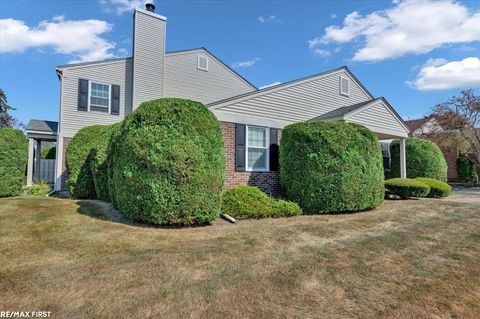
(198, 62)
(267, 148)
(349, 84)
(109, 96)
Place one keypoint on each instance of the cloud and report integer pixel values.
(79, 39)
(246, 64)
(269, 85)
(269, 19)
(321, 53)
(439, 74)
(409, 27)
(121, 6)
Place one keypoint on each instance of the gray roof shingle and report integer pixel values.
(42, 126)
(342, 111)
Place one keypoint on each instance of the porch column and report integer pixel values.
(38, 157)
(30, 162)
(403, 159)
(59, 163)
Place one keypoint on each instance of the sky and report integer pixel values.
(414, 53)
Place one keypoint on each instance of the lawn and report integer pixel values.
(407, 259)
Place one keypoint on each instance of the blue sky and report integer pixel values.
(415, 53)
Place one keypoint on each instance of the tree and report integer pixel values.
(460, 119)
(6, 120)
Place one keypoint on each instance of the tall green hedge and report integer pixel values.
(168, 163)
(13, 161)
(331, 167)
(466, 170)
(424, 159)
(86, 162)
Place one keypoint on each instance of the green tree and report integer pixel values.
(6, 120)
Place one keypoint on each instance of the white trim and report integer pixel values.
(248, 119)
(109, 96)
(150, 13)
(40, 132)
(198, 62)
(266, 148)
(349, 80)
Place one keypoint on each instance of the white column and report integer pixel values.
(59, 164)
(38, 157)
(403, 159)
(30, 162)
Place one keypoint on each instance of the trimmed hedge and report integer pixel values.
(467, 172)
(424, 159)
(86, 162)
(331, 167)
(13, 161)
(245, 202)
(406, 187)
(168, 164)
(437, 188)
(49, 153)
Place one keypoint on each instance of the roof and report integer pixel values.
(413, 125)
(342, 111)
(274, 87)
(42, 126)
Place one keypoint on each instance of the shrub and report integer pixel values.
(13, 161)
(49, 153)
(85, 161)
(424, 159)
(167, 163)
(467, 172)
(331, 167)
(437, 188)
(40, 188)
(406, 187)
(245, 202)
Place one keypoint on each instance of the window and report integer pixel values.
(386, 155)
(257, 148)
(344, 86)
(99, 97)
(202, 63)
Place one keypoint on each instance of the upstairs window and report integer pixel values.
(99, 99)
(202, 63)
(257, 148)
(344, 86)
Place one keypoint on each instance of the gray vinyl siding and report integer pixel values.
(378, 117)
(301, 101)
(148, 58)
(184, 80)
(119, 73)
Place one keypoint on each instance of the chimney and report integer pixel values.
(150, 7)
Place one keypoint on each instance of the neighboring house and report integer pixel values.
(428, 127)
(251, 120)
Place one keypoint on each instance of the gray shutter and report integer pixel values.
(274, 150)
(115, 104)
(240, 147)
(82, 95)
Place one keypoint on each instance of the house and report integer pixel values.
(251, 119)
(427, 128)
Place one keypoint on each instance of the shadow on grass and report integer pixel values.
(104, 211)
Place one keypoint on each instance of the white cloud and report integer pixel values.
(321, 53)
(271, 18)
(122, 6)
(269, 85)
(439, 74)
(409, 27)
(81, 39)
(246, 64)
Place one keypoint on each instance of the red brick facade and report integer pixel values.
(269, 182)
(66, 140)
(451, 158)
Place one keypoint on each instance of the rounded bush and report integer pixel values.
(245, 202)
(86, 162)
(467, 172)
(437, 188)
(406, 187)
(40, 188)
(331, 167)
(168, 163)
(49, 153)
(424, 159)
(13, 161)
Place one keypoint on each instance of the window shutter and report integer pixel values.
(240, 147)
(115, 104)
(274, 150)
(82, 95)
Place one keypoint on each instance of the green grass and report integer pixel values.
(406, 259)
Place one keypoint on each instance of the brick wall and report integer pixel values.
(269, 182)
(66, 140)
(451, 158)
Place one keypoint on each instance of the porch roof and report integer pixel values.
(42, 130)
